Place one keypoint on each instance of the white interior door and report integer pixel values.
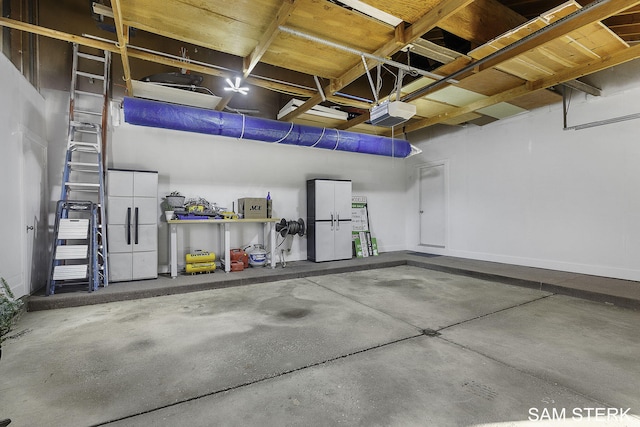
(433, 206)
(34, 216)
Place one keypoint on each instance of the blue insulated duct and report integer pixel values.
(143, 112)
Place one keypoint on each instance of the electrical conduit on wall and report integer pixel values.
(143, 112)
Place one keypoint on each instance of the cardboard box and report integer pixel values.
(252, 207)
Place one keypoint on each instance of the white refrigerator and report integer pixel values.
(328, 220)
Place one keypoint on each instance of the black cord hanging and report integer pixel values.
(285, 227)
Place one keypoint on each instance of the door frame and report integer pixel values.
(32, 265)
(419, 247)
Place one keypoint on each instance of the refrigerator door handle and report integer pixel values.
(337, 221)
(331, 221)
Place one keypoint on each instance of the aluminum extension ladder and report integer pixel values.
(74, 260)
(83, 178)
(89, 86)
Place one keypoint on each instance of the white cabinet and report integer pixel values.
(328, 220)
(132, 224)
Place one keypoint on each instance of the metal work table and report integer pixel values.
(225, 242)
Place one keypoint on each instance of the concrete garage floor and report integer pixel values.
(401, 345)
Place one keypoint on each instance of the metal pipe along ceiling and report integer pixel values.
(143, 112)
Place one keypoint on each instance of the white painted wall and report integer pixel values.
(521, 191)
(524, 191)
(57, 113)
(222, 169)
(22, 116)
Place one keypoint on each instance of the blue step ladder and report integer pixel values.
(74, 259)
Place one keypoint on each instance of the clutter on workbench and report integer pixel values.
(228, 215)
(269, 205)
(252, 207)
(174, 200)
(200, 208)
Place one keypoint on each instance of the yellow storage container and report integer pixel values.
(200, 267)
(200, 256)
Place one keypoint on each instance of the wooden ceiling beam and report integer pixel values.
(470, 108)
(582, 18)
(573, 22)
(531, 8)
(629, 32)
(58, 35)
(459, 21)
(615, 59)
(482, 21)
(283, 87)
(254, 81)
(103, 10)
(401, 38)
(622, 20)
(268, 37)
(443, 11)
(158, 59)
(358, 120)
(251, 60)
(123, 40)
(631, 11)
(624, 25)
(339, 100)
(594, 66)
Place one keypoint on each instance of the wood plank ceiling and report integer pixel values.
(506, 55)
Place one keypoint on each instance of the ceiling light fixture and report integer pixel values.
(235, 86)
(373, 12)
(317, 110)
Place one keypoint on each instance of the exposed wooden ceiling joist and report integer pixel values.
(133, 52)
(123, 40)
(594, 13)
(250, 61)
(402, 37)
(58, 35)
(594, 66)
(248, 34)
(482, 21)
(627, 25)
(433, 51)
(616, 59)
